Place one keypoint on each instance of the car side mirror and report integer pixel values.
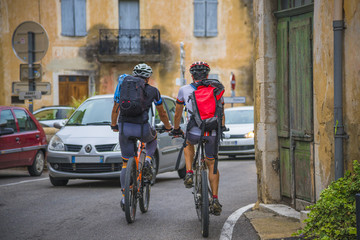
(59, 124)
(6, 131)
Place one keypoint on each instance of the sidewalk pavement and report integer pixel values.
(270, 221)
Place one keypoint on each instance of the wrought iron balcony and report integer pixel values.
(129, 44)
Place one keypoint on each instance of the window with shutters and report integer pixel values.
(73, 18)
(205, 18)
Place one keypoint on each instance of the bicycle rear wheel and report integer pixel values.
(144, 199)
(204, 204)
(130, 190)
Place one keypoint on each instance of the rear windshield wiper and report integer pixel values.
(99, 123)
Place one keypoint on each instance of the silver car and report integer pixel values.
(47, 116)
(239, 140)
(87, 148)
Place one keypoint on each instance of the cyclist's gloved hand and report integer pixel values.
(115, 128)
(164, 129)
(224, 128)
(168, 129)
(177, 132)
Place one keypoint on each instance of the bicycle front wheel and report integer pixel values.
(204, 204)
(144, 199)
(197, 192)
(130, 191)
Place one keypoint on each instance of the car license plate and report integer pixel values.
(228, 143)
(87, 159)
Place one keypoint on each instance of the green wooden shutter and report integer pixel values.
(282, 77)
(301, 75)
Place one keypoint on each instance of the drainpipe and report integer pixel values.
(338, 27)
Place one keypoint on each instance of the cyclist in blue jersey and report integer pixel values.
(138, 127)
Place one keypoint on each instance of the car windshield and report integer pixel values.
(239, 116)
(93, 112)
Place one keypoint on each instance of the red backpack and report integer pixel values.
(207, 112)
(207, 108)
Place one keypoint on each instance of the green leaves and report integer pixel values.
(333, 216)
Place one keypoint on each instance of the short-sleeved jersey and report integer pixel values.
(183, 98)
(152, 96)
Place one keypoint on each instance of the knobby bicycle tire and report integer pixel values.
(204, 204)
(197, 192)
(130, 191)
(144, 199)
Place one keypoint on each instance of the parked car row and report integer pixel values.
(85, 147)
(47, 116)
(22, 140)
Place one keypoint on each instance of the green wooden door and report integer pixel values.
(295, 108)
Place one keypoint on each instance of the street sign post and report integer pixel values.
(182, 65)
(43, 87)
(30, 95)
(30, 43)
(24, 72)
(232, 83)
(233, 100)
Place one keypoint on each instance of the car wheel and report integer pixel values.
(37, 167)
(58, 182)
(182, 172)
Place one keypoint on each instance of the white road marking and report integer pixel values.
(227, 230)
(16, 183)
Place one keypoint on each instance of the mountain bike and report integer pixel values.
(201, 190)
(136, 187)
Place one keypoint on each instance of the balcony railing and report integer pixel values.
(129, 41)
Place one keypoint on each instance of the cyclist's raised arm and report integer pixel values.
(178, 115)
(163, 116)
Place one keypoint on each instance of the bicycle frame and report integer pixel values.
(140, 148)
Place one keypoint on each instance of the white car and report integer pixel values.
(47, 116)
(87, 148)
(239, 140)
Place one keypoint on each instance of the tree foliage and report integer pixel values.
(334, 214)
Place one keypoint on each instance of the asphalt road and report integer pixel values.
(31, 208)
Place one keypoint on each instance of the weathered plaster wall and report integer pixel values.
(62, 56)
(323, 83)
(266, 142)
(323, 64)
(352, 81)
(230, 51)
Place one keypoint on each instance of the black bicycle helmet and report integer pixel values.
(142, 70)
(199, 70)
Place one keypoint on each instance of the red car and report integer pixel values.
(22, 140)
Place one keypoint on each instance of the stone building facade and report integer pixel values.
(294, 89)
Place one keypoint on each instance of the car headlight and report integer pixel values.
(250, 134)
(56, 144)
(117, 148)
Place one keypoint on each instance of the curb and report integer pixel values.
(281, 210)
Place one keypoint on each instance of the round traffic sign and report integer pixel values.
(232, 81)
(20, 41)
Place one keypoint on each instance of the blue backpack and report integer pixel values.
(118, 88)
